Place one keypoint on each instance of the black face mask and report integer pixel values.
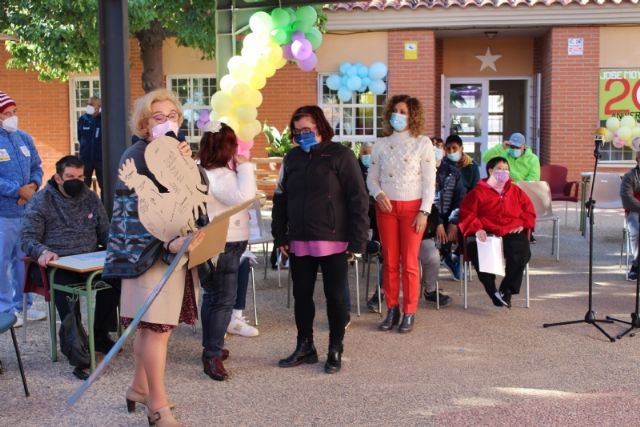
(73, 187)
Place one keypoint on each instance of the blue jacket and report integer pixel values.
(19, 165)
(90, 137)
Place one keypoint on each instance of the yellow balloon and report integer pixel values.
(246, 113)
(227, 83)
(230, 121)
(281, 63)
(269, 69)
(246, 133)
(221, 103)
(635, 132)
(254, 98)
(243, 73)
(257, 81)
(624, 133)
(628, 121)
(257, 127)
(275, 53)
(213, 116)
(608, 137)
(241, 93)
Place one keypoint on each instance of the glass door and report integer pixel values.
(465, 107)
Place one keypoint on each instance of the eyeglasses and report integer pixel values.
(297, 132)
(161, 118)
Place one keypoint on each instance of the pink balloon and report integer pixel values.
(286, 52)
(301, 49)
(309, 63)
(244, 148)
(298, 35)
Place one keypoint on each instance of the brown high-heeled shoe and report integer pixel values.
(162, 417)
(132, 397)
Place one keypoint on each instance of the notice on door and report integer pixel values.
(411, 50)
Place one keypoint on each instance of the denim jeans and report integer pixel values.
(633, 225)
(243, 284)
(11, 266)
(219, 297)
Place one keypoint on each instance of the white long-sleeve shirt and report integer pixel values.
(228, 189)
(404, 168)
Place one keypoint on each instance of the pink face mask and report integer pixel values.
(501, 176)
(162, 128)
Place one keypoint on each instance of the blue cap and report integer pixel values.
(517, 139)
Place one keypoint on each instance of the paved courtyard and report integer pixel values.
(481, 366)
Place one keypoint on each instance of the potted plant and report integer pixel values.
(278, 144)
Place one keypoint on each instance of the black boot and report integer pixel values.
(407, 323)
(392, 319)
(372, 304)
(305, 352)
(334, 360)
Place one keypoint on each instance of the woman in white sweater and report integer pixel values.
(402, 180)
(231, 181)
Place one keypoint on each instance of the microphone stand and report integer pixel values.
(635, 318)
(590, 316)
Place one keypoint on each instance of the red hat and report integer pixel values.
(5, 102)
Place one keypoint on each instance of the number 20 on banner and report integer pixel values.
(619, 93)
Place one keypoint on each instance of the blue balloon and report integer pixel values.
(366, 81)
(352, 71)
(344, 79)
(344, 67)
(377, 71)
(377, 87)
(344, 94)
(362, 88)
(334, 82)
(354, 83)
(363, 71)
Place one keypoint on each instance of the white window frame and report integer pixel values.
(194, 134)
(351, 140)
(75, 112)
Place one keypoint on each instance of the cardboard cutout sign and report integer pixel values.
(167, 215)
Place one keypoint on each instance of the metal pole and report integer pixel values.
(113, 25)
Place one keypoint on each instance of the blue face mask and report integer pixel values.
(455, 156)
(398, 121)
(515, 153)
(366, 160)
(437, 153)
(305, 140)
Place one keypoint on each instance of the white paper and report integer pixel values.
(490, 256)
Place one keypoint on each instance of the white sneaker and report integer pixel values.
(19, 322)
(33, 314)
(239, 326)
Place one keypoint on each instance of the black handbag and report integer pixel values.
(74, 342)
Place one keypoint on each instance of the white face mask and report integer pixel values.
(90, 110)
(162, 128)
(10, 124)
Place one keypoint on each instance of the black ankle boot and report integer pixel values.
(334, 360)
(372, 304)
(392, 319)
(407, 323)
(305, 352)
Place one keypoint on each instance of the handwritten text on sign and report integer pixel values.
(619, 93)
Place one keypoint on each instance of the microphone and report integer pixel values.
(599, 140)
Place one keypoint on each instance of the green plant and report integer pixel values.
(279, 144)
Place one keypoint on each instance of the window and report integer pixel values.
(355, 122)
(194, 93)
(82, 89)
(611, 154)
(496, 119)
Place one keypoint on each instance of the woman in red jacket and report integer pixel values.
(496, 206)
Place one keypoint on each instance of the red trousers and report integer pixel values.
(400, 244)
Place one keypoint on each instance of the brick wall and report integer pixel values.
(415, 77)
(438, 89)
(43, 111)
(569, 98)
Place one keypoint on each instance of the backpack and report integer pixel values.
(74, 342)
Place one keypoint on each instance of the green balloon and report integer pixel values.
(292, 15)
(307, 14)
(279, 36)
(302, 26)
(315, 37)
(280, 17)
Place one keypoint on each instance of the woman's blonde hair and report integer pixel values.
(142, 110)
(415, 121)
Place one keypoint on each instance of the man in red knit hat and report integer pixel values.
(20, 177)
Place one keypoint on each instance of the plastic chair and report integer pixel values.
(561, 189)
(606, 193)
(7, 320)
(540, 195)
(467, 267)
(34, 288)
(258, 232)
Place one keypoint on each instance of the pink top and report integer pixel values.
(316, 248)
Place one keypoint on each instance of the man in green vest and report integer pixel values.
(524, 165)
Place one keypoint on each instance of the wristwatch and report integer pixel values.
(425, 213)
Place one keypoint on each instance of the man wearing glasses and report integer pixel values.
(524, 165)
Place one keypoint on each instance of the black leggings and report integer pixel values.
(516, 253)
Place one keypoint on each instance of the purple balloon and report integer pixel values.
(301, 49)
(298, 35)
(309, 63)
(286, 52)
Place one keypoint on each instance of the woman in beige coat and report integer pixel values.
(136, 256)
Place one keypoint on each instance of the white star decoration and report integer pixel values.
(488, 60)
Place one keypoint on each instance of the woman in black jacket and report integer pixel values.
(319, 220)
